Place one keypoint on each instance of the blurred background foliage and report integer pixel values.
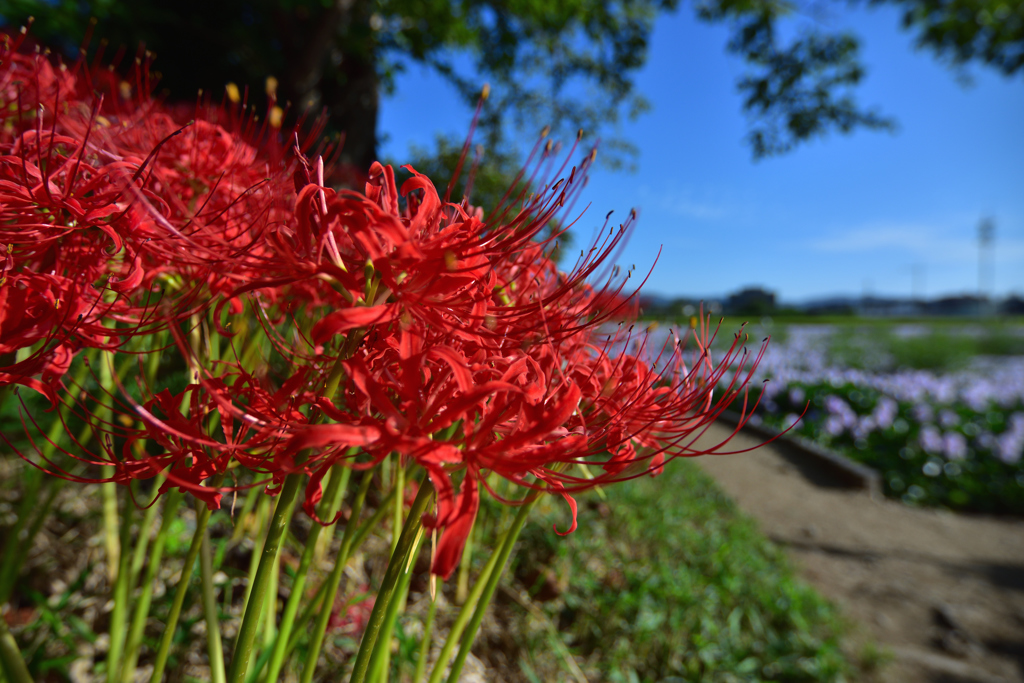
(571, 64)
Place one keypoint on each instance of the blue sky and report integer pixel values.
(841, 215)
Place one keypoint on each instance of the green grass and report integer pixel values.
(667, 581)
(940, 348)
(978, 482)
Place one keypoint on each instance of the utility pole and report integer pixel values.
(917, 286)
(986, 264)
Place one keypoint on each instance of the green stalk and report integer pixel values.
(318, 603)
(12, 550)
(171, 625)
(138, 625)
(216, 652)
(465, 564)
(119, 615)
(464, 614)
(428, 628)
(396, 520)
(17, 548)
(105, 413)
(247, 505)
(333, 496)
(110, 534)
(250, 619)
(492, 584)
(380, 659)
(142, 543)
(262, 512)
(10, 657)
(269, 618)
(312, 607)
(386, 592)
(332, 581)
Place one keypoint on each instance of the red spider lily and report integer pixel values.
(396, 322)
(113, 214)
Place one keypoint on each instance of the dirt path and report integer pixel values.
(942, 593)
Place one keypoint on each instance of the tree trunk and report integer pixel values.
(332, 65)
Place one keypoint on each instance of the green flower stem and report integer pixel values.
(269, 619)
(464, 614)
(213, 646)
(268, 562)
(312, 607)
(171, 624)
(352, 539)
(334, 579)
(399, 504)
(10, 564)
(364, 529)
(142, 544)
(103, 414)
(10, 657)
(333, 496)
(247, 506)
(138, 624)
(32, 480)
(262, 512)
(492, 584)
(18, 546)
(152, 366)
(428, 629)
(465, 564)
(380, 659)
(111, 536)
(122, 587)
(471, 601)
(386, 592)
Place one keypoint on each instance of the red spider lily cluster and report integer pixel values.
(315, 327)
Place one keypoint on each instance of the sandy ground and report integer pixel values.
(942, 594)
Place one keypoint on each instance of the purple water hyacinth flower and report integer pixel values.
(864, 426)
(834, 425)
(931, 439)
(923, 412)
(885, 412)
(1010, 444)
(955, 445)
(841, 409)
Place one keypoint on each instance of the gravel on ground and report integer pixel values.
(940, 594)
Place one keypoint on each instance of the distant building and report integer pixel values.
(750, 301)
(878, 307)
(964, 305)
(1012, 305)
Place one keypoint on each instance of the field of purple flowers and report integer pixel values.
(938, 410)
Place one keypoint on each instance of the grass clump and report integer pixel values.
(668, 581)
(939, 348)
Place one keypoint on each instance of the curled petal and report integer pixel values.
(319, 436)
(351, 318)
(572, 506)
(132, 280)
(453, 540)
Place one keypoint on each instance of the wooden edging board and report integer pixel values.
(822, 466)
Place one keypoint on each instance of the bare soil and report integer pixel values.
(941, 595)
